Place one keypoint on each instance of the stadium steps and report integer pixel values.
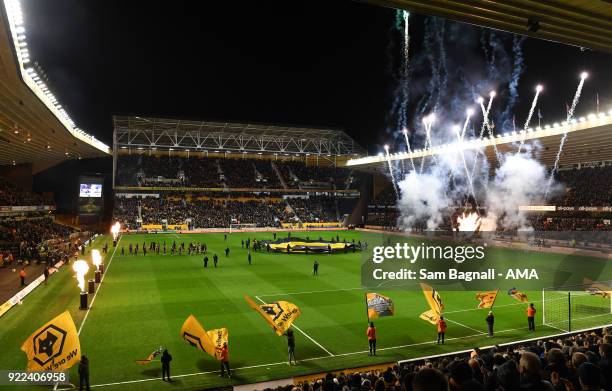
(278, 174)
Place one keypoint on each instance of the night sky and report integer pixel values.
(318, 63)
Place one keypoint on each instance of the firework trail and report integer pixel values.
(405, 75)
(517, 70)
(487, 125)
(409, 149)
(428, 122)
(531, 110)
(460, 133)
(391, 170)
(485, 121)
(570, 115)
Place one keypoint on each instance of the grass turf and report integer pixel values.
(143, 301)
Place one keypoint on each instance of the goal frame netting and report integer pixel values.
(565, 306)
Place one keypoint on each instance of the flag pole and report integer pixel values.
(366, 305)
(496, 294)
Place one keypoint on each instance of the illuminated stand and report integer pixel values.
(81, 268)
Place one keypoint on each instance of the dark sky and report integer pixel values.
(316, 62)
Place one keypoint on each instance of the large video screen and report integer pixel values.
(88, 190)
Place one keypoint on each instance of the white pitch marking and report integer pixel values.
(99, 286)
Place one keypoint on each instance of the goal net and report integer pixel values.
(576, 307)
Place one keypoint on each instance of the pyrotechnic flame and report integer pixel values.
(469, 222)
(115, 228)
(96, 258)
(81, 268)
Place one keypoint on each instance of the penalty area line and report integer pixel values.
(306, 335)
(99, 286)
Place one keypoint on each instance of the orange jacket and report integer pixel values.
(441, 326)
(22, 273)
(531, 312)
(371, 333)
(224, 354)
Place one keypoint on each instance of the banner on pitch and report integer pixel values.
(517, 295)
(210, 342)
(53, 347)
(379, 305)
(487, 299)
(435, 304)
(280, 315)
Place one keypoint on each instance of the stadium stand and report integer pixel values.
(151, 171)
(10, 195)
(207, 212)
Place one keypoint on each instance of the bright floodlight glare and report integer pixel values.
(387, 148)
(480, 99)
(584, 75)
(405, 130)
(469, 112)
(539, 87)
(492, 94)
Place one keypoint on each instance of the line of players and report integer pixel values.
(193, 248)
(155, 247)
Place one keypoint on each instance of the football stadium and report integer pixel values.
(444, 225)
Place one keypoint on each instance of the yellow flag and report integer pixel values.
(435, 304)
(218, 338)
(431, 316)
(487, 299)
(433, 298)
(517, 295)
(280, 315)
(379, 305)
(210, 342)
(53, 347)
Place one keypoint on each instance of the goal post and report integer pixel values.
(577, 306)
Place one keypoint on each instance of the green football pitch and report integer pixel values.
(143, 301)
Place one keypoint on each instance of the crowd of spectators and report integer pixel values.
(313, 209)
(579, 362)
(214, 213)
(143, 170)
(11, 195)
(23, 239)
(585, 187)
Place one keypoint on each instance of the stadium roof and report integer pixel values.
(172, 134)
(589, 139)
(583, 23)
(34, 127)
